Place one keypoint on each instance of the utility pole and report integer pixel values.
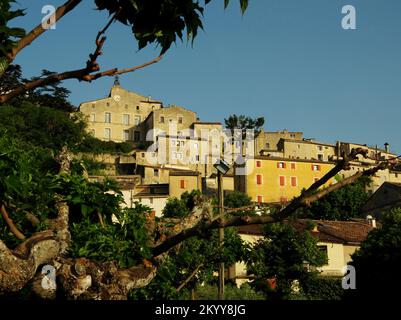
(221, 234)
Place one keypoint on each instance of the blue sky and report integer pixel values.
(287, 60)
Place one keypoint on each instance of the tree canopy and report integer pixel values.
(378, 261)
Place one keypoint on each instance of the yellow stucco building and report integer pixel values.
(278, 180)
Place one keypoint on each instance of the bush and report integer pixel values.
(323, 288)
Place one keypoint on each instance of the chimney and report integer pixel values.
(387, 147)
(371, 221)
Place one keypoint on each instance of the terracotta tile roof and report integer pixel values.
(184, 173)
(351, 232)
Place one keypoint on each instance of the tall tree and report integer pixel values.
(280, 259)
(243, 123)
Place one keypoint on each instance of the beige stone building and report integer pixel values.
(306, 149)
(267, 141)
(119, 117)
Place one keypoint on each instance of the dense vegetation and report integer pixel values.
(278, 261)
(378, 261)
(342, 204)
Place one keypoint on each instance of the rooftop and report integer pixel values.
(345, 232)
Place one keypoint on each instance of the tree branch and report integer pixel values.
(85, 74)
(39, 30)
(11, 224)
(185, 282)
(80, 75)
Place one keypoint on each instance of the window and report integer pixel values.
(93, 106)
(156, 172)
(137, 107)
(281, 165)
(320, 148)
(258, 164)
(107, 133)
(93, 117)
(197, 158)
(179, 119)
(282, 181)
(260, 199)
(126, 119)
(137, 136)
(283, 199)
(267, 145)
(161, 119)
(293, 166)
(195, 146)
(108, 104)
(294, 181)
(299, 146)
(177, 155)
(323, 249)
(183, 184)
(315, 167)
(151, 200)
(258, 179)
(320, 157)
(107, 117)
(137, 120)
(126, 135)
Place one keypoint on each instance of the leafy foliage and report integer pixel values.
(159, 21)
(243, 123)
(180, 208)
(342, 204)
(30, 183)
(322, 288)
(202, 252)
(192, 253)
(231, 292)
(280, 256)
(26, 180)
(52, 95)
(378, 261)
(8, 36)
(43, 126)
(125, 242)
(238, 199)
